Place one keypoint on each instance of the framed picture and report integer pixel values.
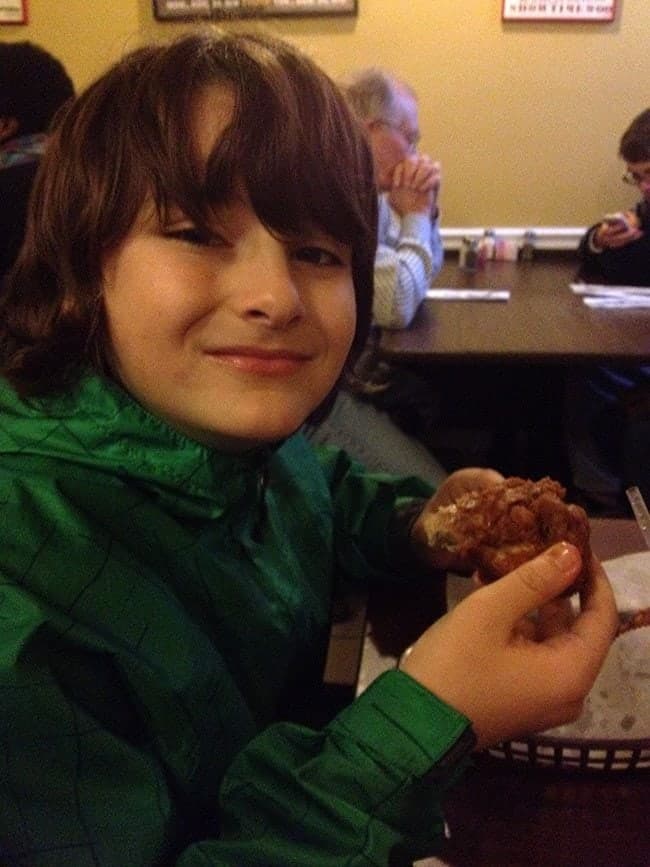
(13, 11)
(559, 10)
(170, 10)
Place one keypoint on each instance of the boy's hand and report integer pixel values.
(488, 661)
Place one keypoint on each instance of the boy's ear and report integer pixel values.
(8, 127)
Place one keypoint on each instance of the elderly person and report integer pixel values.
(409, 256)
(409, 252)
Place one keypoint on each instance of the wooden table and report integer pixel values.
(542, 322)
(498, 370)
(501, 815)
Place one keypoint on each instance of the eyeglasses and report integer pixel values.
(635, 179)
(411, 138)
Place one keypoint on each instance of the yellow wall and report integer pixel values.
(525, 117)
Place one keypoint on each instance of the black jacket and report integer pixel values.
(626, 266)
(15, 186)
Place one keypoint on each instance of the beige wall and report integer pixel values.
(525, 117)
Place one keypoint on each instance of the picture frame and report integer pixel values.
(175, 10)
(597, 11)
(13, 12)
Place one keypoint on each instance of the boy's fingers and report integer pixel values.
(532, 584)
(599, 619)
(555, 617)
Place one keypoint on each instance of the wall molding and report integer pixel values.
(546, 237)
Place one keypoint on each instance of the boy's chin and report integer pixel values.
(237, 442)
(248, 427)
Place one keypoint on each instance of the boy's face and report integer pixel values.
(234, 338)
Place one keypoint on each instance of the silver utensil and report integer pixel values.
(640, 510)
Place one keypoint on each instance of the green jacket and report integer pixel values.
(158, 603)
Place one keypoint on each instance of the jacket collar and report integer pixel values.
(99, 426)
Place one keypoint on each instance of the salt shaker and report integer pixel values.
(527, 249)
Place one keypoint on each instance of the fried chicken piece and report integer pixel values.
(498, 528)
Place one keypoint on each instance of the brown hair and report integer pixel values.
(635, 141)
(292, 142)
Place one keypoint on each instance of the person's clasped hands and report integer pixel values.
(415, 186)
(508, 672)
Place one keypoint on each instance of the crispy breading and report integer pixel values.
(500, 527)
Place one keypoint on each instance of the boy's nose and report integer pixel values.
(272, 294)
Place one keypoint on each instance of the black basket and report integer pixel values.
(607, 755)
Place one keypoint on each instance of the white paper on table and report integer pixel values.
(617, 302)
(468, 294)
(596, 295)
(602, 289)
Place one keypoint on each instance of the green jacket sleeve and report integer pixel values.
(366, 790)
(365, 505)
(76, 789)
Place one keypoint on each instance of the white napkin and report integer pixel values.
(468, 294)
(599, 289)
(618, 302)
(600, 296)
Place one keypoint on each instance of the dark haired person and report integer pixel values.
(619, 253)
(608, 407)
(33, 86)
(169, 545)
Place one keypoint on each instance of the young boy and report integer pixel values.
(196, 278)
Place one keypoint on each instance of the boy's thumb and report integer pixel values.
(536, 582)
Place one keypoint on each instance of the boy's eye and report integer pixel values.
(319, 256)
(194, 236)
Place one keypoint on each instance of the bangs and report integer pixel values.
(292, 135)
(291, 143)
